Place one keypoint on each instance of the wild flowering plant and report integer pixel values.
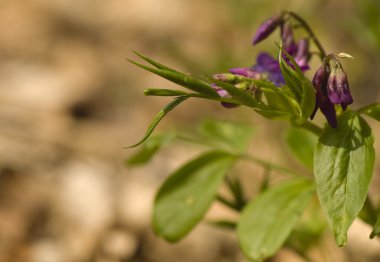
(340, 154)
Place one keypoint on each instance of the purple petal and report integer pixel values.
(328, 110)
(243, 71)
(266, 62)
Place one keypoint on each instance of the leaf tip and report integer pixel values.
(341, 240)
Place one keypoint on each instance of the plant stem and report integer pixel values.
(263, 163)
(305, 25)
(269, 165)
(312, 128)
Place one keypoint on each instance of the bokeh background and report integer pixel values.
(70, 102)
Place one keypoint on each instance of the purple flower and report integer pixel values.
(337, 88)
(224, 93)
(303, 55)
(322, 101)
(269, 68)
(267, 28)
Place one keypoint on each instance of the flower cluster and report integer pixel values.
(330, 81)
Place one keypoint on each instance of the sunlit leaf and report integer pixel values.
(186, 195)
(343, 167)
(267, 220)
(158, 118)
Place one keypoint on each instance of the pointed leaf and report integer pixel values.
(343, 167)
(267, 221)
(186, 195)
(181, 79)
(164, 92)
(302, 144)
(154, 63)
(292, 78)
(158, 118)
(307, 101)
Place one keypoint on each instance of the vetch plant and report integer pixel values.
(340, 154)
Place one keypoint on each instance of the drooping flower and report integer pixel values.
(322, 100)
(266, 28)
(337, 88)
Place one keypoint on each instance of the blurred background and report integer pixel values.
(70, 102)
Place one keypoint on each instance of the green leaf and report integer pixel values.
(149, 148)
(158, 118)
(278, 98)
(186, 195)
(343, 166)
(154, 63)
(267, 221)
(164, 92)
(372, 111)
(302, 144)
(293, 79)
(308, 100)
(223, 134)
(181, 79)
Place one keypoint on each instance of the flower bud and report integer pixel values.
(223, 93)
(288, 39)
(267, 28)
(337, 88)
(302, 56)
(320, 78)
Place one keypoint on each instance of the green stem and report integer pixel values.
(263, 163)
(305, 25)
(312, 128)
(269, 165)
